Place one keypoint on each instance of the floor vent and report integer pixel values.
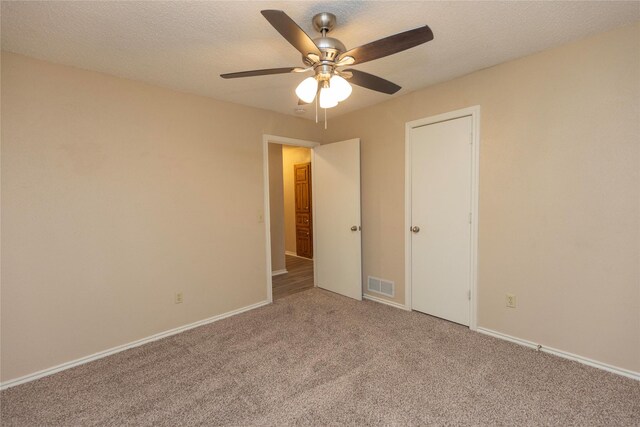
(381, 286)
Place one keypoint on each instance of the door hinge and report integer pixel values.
(469, 294)
(469, 217)
(471, 138)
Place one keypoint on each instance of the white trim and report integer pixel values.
(279, 272)
(293, 253)
(118, 349)
(266, 213)
(385, 301)
(560, 353)
(313, 217)
(474, 112)
(274, 139)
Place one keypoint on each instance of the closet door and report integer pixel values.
(441, 219)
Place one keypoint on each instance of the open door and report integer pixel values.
(337, 235)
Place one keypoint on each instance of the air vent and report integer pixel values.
(381, 286)
(374, 284)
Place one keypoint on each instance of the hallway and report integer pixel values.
(299, 277)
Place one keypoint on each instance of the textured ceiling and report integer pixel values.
(186, 45)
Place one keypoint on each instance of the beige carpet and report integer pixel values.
(318, 358)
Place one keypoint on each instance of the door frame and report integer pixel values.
(474, 113)
(283, 140)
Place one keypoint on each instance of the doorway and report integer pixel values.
(327, 190)
(291, 219)
(441, 215)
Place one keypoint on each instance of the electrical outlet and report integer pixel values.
(178, 298)
(511, 301)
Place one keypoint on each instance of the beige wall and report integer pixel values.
(291, 156)
(276, 207)
(559, 217)
(115, 195)
(559, 207)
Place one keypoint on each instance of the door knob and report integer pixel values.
(354, 228)
(415, 229)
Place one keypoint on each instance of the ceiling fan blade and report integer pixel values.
(389, 45)
(291, 31)
(265, 72)
(372, 82)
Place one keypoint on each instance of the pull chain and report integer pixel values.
(325, 118)
(316, 109)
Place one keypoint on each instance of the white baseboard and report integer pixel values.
(279, 272)
(385, 301)
(564, 354)
(118, 349)
(296, 255)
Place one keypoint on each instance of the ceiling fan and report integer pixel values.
(327, 56)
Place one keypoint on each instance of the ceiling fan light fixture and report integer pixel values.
(328, 98)
(340, 87)
(307, 89)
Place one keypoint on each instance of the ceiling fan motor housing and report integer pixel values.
(329, 47)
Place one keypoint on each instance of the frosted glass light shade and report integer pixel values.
(340, 87)
(307, 89)
(328, 98)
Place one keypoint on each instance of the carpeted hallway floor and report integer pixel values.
(319, 358)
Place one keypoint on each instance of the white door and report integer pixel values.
(336, 228)
(441, 219)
